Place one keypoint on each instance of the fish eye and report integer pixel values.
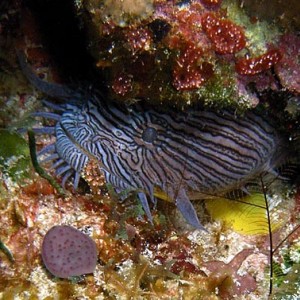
(149, 135)
(118, 133)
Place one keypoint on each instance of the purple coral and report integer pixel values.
(67, 252)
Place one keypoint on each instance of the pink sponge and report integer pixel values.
(67, 252)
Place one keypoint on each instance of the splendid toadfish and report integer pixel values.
(182, 153)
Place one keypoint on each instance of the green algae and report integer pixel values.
(221, 91)
(287, 285)
(14, 155)
(6, 251)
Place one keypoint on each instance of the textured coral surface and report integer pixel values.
(180, 52)
(183, 52)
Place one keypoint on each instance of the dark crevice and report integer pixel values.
(63, 38)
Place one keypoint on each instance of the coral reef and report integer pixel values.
(175, 54)
(135, 259)
(147, 52)
(288, 70)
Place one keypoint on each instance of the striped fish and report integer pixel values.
(181, 153)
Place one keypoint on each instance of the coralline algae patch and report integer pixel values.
(26, 215)
(288, 70)
(180, 52)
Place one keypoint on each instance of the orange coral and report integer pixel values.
(252, 66)
(122, 84)
(226, 36)
(138, 39)
(190, 72)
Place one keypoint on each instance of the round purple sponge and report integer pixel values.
(67, 252)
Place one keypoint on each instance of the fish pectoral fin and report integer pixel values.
(144, 201)
(187, 210)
